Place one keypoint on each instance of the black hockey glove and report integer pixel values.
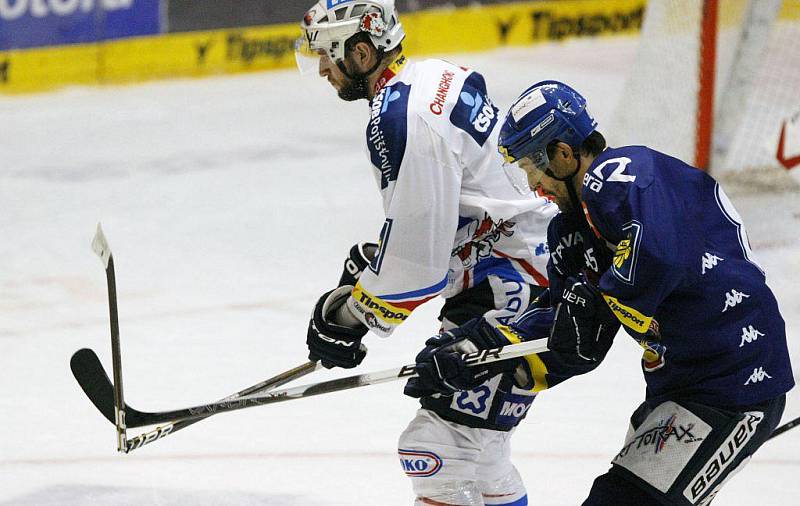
(360, 256)
(441, 368)
(333, 344)
(584, 326)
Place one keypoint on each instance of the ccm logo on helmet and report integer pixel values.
(419, 464)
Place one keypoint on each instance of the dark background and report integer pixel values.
(189, 15)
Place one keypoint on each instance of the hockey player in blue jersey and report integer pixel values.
(655, 244)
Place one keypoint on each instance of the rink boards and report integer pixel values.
(201, 53)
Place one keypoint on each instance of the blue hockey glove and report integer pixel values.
(334, 344)
(360, 256)
(441, 368)
(584, 326)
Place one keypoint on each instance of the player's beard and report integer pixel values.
(354, 89)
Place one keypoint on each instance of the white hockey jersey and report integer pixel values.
(452, 216)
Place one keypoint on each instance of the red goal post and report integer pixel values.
(717, 83)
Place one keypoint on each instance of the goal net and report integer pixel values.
(717, 83)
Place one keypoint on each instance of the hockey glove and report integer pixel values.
(441, 368)
(330, 342)
(360, 256)
(584, 326)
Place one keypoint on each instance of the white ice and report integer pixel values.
(229, 203)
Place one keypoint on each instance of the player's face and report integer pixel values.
(546, 185)
(347, 89)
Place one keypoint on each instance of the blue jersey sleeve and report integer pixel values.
(640, 214)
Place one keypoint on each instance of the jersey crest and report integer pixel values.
(387, 131)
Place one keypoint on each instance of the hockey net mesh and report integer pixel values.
(756, 90)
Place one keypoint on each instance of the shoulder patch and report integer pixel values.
(474, 112)
(627, 254)
(387, 131)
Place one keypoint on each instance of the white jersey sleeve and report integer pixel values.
(431, 140)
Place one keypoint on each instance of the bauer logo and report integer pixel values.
(419, 464)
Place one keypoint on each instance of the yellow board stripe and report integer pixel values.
(537, 368)
(194, 54)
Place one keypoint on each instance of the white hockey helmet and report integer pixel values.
(329, 23)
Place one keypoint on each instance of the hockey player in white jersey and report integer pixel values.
(454, 226)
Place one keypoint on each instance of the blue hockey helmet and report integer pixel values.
(547, 111)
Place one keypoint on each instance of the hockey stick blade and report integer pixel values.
(97, 386)
(137, 418)
(94, 381)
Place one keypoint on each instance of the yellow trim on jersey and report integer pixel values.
(386, 311)
(628, 316)
(537, 367)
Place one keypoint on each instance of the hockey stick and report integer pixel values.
(100, 247)
(92, 378)
(99, 390)
(783, 428)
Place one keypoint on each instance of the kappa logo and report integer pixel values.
(710, 261)
(9, 11)
(482, 113)
(758, 376)
(419, 464)
(750, 334)
(733, 298)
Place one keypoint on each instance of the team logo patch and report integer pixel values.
(419, 464)
(663, 444)
(373, 24)
(627, 253)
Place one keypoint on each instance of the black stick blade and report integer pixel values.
(92, 378)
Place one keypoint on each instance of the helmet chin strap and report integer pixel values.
(569, 181)
(359, 85)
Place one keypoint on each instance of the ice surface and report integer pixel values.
(229, 204)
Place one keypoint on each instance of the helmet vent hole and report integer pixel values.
(340, 13)
(358, 10)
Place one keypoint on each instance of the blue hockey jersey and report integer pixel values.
(684, 281)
